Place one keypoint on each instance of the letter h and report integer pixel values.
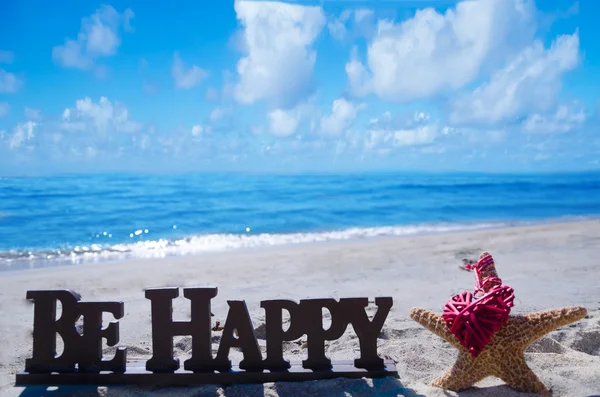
(164, 329)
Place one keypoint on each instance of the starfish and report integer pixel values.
(504, 356)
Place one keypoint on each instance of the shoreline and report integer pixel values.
(549, 266)
(19, 265)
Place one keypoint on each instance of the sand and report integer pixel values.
(551, 265)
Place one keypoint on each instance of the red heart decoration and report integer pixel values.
(474, 322)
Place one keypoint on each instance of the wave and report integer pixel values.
(214, 243)
(506, 186)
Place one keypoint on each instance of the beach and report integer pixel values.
(549, 265)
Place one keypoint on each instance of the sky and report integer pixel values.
(431, 85)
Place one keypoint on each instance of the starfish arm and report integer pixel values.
(465, 372)
(541, 323)
(434, 323)
(517, 374)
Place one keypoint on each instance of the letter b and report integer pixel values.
(86, 349)
(46, 327)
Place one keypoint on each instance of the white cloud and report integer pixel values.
(102, 117)
(495, 136)
(337, 27)
(434, 150)
(279, 63)
(9, 82)
(70, 55)
(361, 24)
(256, 129)
(145, 142)
(362, 14)
(6, 56)
(358, 76)
(74, 126)
(56, 137)
(128, 15)
(342, 115)
(529, 83)
(4, 109)
(563, 120)
(91, 152)
(432, 52)
(283, 122)
(197, 130)
(32, 114)
(407, 137)
(573, 10)
(386, 132)
(218, 113)
(186, 78)
(99, 36)
(23, 132)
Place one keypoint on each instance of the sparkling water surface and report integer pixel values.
(47, 220)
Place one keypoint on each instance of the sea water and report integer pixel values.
(81, 218)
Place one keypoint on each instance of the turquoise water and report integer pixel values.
(83, 218)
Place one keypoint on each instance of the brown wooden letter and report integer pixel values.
(46, 327)
(90, 351)
(202, 359)
(311, 311)
(164, 329)
(367, 331)
(274, 330)
(238, 319)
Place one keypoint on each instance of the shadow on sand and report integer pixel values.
(493, 391)
(386, 387)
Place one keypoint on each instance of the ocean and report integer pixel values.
(78, 219)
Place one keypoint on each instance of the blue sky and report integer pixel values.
(481, 85)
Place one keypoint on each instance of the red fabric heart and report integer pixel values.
(474, 322)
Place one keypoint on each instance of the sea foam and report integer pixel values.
(198, 244)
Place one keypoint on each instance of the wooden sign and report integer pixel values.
(81, 361)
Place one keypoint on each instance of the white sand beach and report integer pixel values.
(549, 266)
